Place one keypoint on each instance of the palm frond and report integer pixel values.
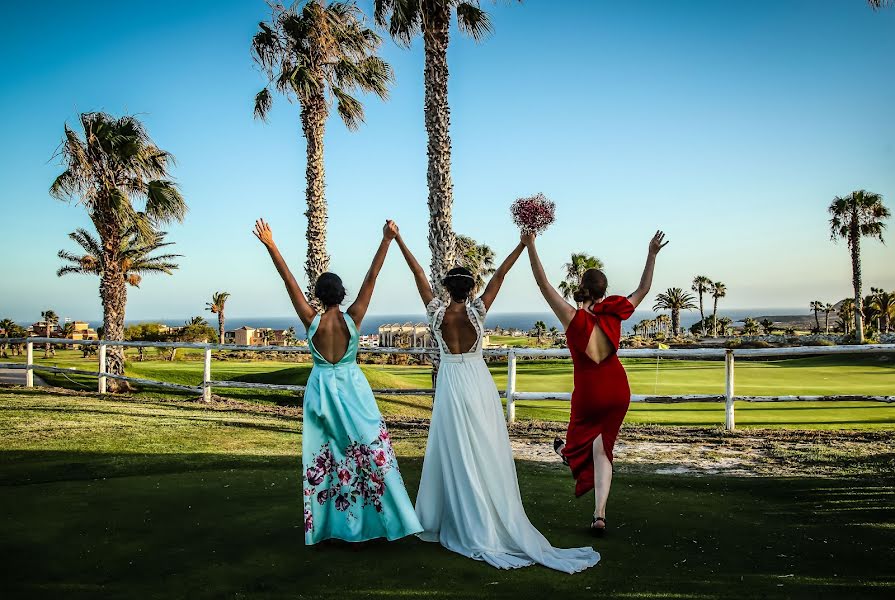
(473, 21)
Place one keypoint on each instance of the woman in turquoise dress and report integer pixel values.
(352, 488)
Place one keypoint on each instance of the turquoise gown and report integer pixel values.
(353, 490)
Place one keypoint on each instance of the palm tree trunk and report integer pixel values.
(113, 292)
(715, 317)
(854, 243)
(313, 123)
(442, 241)
(221, 326)
(676, 322)
(816, 321)
(701, 315)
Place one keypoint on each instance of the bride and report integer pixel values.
(469, 495)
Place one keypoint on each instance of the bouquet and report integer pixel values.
(533, 214)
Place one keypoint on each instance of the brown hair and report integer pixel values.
(592, 287)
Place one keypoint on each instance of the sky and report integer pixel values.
(729, 125)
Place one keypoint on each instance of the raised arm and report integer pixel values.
(358, 308)
(422, 283)
(646, 280)
(497, 278)
(304, 310)
(562, 309)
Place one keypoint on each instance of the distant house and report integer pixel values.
(258, 336)
(81, 330)
(42, 329)
(408, 335)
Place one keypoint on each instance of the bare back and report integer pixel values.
(332, 336)
(599, 348)
(459, 334)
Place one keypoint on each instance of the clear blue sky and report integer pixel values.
(731, 125)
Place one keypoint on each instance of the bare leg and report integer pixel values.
(602, 479)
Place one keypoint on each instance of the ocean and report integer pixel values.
(523, 320)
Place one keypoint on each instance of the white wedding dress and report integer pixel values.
(469, 494)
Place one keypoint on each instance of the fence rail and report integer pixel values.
(512, 354)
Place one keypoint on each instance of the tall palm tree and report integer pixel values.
(828, 308)
(860, 214)
(701, 285)
(216, 306)
(112, 166)
(478, 258)
(817, 306)
(50, 320)
(319, 54)
(540, 329)
(431, 19)
(578, 263)
(719, 290)
(675, 300)
(133, 256)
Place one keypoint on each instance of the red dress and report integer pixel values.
(601, 396)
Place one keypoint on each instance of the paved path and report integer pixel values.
(17, 377)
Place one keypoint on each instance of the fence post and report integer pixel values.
(29, 362)
(729, 423)
(101, 380)
(511, 386)
(206, 377)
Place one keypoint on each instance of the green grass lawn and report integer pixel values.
(146, 498)
(861, 374)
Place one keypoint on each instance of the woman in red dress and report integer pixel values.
(601, 395)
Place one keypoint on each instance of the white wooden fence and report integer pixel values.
(512, 355)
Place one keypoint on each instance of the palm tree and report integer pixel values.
(878, 4)
(8, 326)
(50, 320)
(216, 306)
(540, 328)
(884, 305)
(828, 308)
(701, 285)
(724, 323)
(319, 54)
(133, 256)
(115, 164)
(574, 271)
(817, 306)
(750, 326)
(767, 325)
(860, 214)
(719, 290)
(431, 19)
(847, 314)
(478, 258)
(675, 300)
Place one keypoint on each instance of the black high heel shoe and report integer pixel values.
(557, 444)
(598, 531)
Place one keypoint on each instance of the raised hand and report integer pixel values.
(263, 233)
(657, 243)
(390, 230)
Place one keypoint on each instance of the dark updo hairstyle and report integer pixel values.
(593, 286)
(459, 283)
(329, 289)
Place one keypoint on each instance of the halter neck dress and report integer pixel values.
(353, 490)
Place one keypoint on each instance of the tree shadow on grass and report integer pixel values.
(228, 525)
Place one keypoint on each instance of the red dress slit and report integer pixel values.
(601, 395)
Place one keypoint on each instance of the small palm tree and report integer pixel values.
(540, 328)
(860, 214)
(724, 324)
(828, 308)
(112, 166)
(478, 258)
(50, 320)
(701, 285)
(817, 307)
(884, 305)
(750, 326)
(847, 314)
(574, 271)
(8, 326)
(319, 54)
(719, 290)
(675, 300)
(133, 256)
(431, 19)
(216, 306)
(767, 325)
